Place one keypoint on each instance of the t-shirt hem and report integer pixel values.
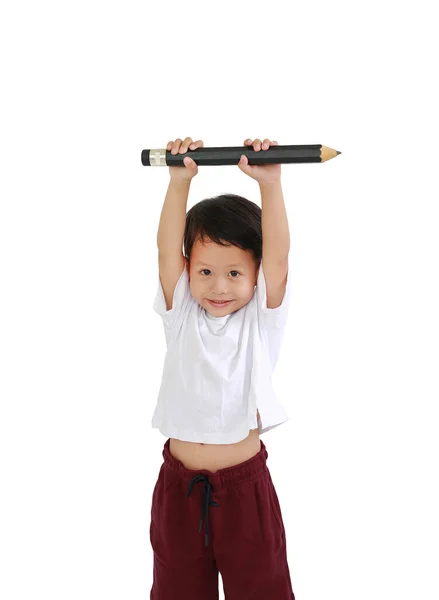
(203, 438)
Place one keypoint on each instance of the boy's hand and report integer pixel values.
(264, 174)
(190, 169)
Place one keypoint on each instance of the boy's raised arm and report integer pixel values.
(170, 238)
(173, 219)
(275, 230)
(275, 242)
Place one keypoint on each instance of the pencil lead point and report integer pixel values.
(338, 152)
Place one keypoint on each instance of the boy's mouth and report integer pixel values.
(219, 304)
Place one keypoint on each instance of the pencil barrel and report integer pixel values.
(230, 155)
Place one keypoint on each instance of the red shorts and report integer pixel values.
(230, 522)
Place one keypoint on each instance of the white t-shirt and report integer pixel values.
(217, 370)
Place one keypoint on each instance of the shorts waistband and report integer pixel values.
(244, 471)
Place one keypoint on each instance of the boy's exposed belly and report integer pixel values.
(216, 456)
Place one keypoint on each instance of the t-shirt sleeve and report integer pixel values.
(273, 320)
(181, 302)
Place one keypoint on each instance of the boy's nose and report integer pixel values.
(219, 290)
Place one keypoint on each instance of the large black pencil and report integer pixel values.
(230, 155)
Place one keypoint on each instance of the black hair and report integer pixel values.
(227, 219)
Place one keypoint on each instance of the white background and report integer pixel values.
(85, 87)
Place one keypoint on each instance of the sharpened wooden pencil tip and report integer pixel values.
(327, 153)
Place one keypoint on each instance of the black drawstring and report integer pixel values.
(206, 501)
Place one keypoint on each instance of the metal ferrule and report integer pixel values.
(157, 157)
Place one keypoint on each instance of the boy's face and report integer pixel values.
(221, 273)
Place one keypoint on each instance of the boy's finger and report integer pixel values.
(185, 145)
(176, 146)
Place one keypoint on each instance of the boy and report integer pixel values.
(216, 397)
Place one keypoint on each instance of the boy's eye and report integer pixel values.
(208, 270)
